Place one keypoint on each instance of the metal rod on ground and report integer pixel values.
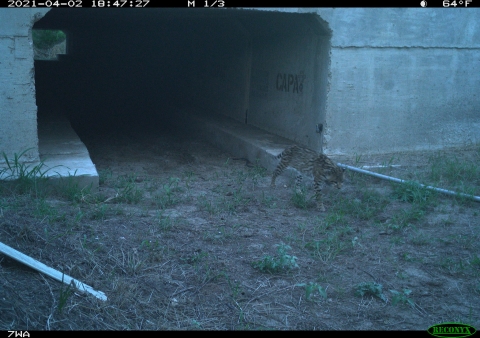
(393, 179)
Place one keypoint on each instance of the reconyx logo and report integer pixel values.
(451, 330)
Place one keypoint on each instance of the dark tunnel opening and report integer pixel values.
(148, 70)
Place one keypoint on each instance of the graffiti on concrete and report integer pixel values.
(290, 82)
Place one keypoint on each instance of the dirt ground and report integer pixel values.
(183, 236)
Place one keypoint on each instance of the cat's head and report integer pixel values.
(336, 177)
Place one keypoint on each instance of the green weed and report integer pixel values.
(475, 262)
(168, 195)
(46, 211)
(165, 223)
(370, 288)
(279, 263)
(27, 177)
(70, 189)
(65, 292)
(412, 192)
(234, 286)
(132, 262)
(207, 205)
(405, 218)
(127, 191)
(104, 176)
(240, 177)
(357, 159)
(453, 171)
(328, 248)
(310, 289)
(47, 38)
(402, 297)
(189, 175)
(453, 266)
(300, 200)
(366, 207)
(99, 212)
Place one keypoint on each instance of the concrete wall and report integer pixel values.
(217, 69)
(402, 79)
(377, 80)
(18, 110)
(269, 70)
(290, 59)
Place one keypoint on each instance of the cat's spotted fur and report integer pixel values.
(308, 161)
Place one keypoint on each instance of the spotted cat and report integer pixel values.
(308, 161)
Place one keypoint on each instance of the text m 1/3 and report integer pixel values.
(206, 3)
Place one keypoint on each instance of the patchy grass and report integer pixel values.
(181, 236)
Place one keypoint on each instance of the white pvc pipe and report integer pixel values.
(393, 179)
(55, 274)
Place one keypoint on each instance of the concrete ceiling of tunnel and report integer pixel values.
(261, 23)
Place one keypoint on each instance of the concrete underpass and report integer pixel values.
(250, 81)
